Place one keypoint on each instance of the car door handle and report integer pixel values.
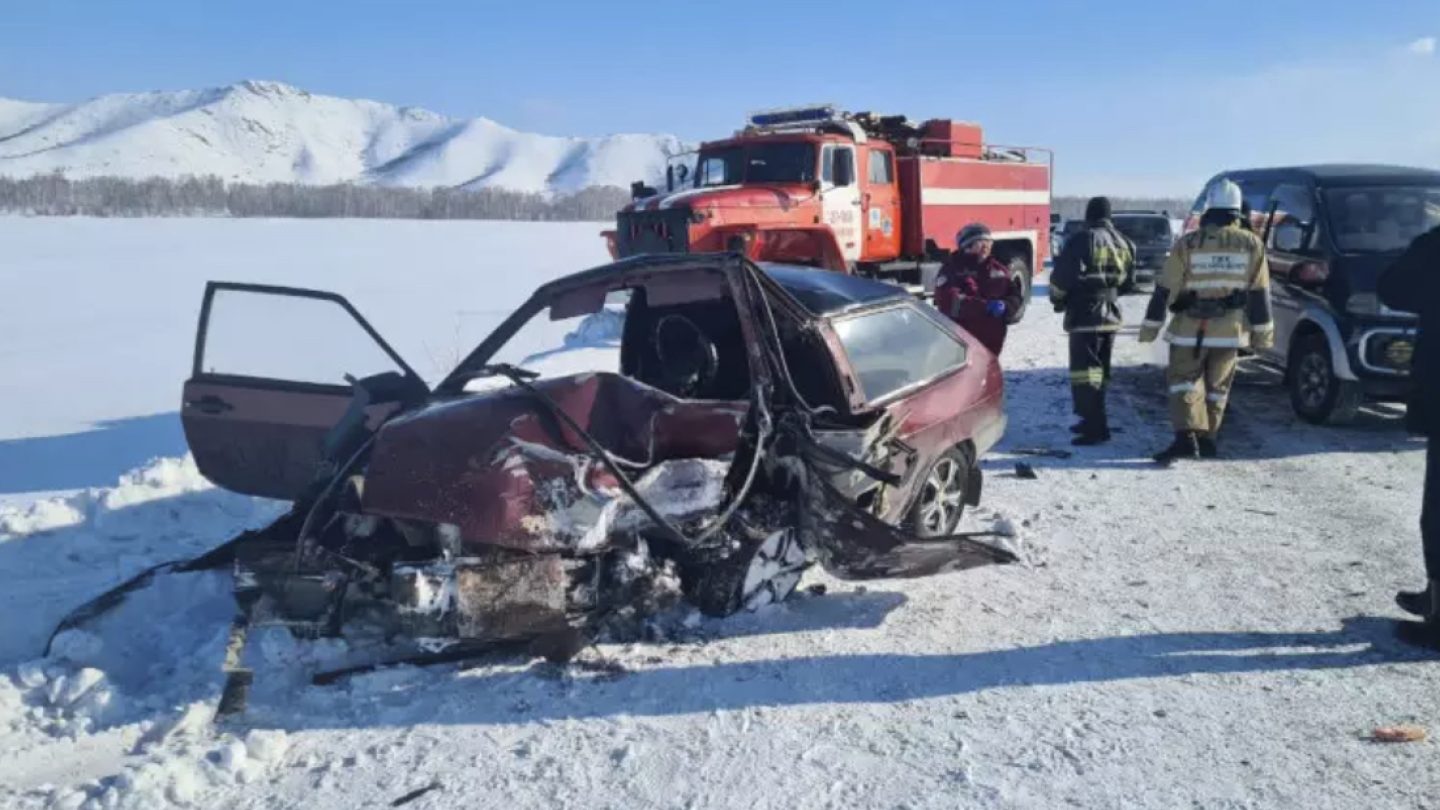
(210, 404)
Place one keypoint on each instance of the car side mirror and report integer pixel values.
(1289, 237)
(843, 173)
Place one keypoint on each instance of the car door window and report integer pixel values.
(1292, 226)
(1255, 197)
(288, 337)
(896, 348)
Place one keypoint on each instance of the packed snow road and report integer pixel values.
(1211, 635)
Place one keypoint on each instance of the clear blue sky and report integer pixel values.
(1135, 94)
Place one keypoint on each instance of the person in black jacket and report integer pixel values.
(1094, 267)
(1412, 284)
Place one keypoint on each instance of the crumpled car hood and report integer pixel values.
(505, 473)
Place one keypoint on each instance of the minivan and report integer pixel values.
(1330, 231)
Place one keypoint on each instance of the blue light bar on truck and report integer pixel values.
(794, 115)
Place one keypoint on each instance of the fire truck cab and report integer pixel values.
(858, 193)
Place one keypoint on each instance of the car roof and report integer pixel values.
(1349, 174)
(826, 292)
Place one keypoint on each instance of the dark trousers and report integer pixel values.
(1430, 510)
(1090, 376)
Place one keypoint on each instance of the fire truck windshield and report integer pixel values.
(792, 162)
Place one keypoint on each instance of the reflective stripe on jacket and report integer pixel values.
(1093, 266)
(1213, 266)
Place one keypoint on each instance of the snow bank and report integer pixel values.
(57, 553)
(108, 510)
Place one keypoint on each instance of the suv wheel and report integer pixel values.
(1021, 274)
(1316, 394)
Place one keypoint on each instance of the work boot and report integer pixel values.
(1090, 438)
(1184, 446)
(1207, 446)
(1421, 603)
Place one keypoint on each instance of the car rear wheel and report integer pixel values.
(1316, 394)
(763, 574)
(941, 502)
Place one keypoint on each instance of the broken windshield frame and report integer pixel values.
(671, 284)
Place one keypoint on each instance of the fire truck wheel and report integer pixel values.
(1020, 271)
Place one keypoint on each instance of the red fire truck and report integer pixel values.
(852, 192)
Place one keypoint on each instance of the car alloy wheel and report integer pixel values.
(1313, 381)
(942, 497)
(774, 571)
(1317, 393)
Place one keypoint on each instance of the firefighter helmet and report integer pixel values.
(1223, 196)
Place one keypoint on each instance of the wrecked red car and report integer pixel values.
(753, 420)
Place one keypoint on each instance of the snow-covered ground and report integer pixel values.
(1213, 635)
(269, 132)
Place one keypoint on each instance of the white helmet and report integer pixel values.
(1223, 196)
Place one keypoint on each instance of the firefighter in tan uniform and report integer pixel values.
(1216, 284)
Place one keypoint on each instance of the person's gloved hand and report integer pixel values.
(1149, 333)
(995, 309)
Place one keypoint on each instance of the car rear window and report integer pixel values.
(1144, 229)
(895, 348)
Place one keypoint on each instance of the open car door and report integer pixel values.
(275, 370)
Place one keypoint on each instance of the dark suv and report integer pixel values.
(1331, 231)
(1153, 238)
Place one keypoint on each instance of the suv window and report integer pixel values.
(896, 348)
(1256, 193)
(881, 170)
(1381, 219)
(1143, 230)
(1294, 208)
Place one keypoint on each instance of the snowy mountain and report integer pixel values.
(260, 132)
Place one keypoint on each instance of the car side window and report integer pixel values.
(254, 334)
(1292, 228)
(1255, 193)
(881, 168)
(895, 348)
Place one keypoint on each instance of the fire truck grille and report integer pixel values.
(663, 231)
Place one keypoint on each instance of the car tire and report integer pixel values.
(1316, 394)
(1020, 272)
(940, 502)
(761, 573)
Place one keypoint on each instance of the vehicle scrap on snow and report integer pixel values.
(762, 419)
